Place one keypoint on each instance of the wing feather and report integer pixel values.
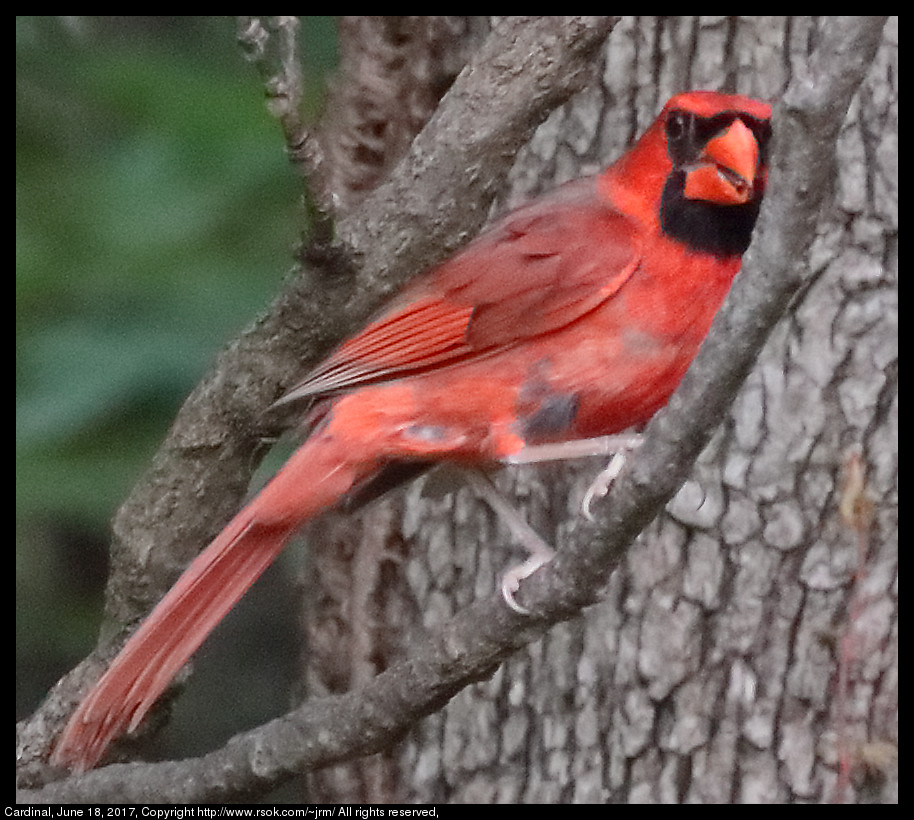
(540, 268)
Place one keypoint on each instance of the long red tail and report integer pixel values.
(317, 475)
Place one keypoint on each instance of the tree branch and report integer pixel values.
(807, 122)
(271, 44)
(436, 198)
(472, 645)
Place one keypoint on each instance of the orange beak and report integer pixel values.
(726, 169)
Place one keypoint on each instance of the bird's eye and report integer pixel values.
(676, 126)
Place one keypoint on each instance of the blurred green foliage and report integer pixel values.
(156, 215)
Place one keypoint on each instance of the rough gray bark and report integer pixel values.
(710, 673)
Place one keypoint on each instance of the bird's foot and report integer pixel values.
(604, 480)
(540, 552)
(510, 581)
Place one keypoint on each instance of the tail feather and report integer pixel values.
(313, 479)
(183, 619)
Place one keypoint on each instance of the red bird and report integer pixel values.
(574, 316)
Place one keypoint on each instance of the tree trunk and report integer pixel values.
(746, 648)
(746, 651)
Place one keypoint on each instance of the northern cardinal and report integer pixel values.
(574, 316)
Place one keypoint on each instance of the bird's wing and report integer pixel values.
(540, 268)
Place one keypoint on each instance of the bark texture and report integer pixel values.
(745, 650)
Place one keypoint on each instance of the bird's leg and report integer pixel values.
(576, 448)
(539, 551)
(619, 445)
